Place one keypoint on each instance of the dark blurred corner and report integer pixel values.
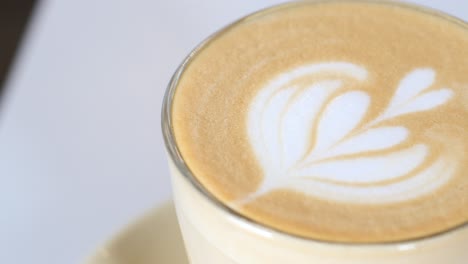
(14, 16)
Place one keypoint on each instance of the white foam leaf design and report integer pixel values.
(412, 85)
(334, 125)
(373, 139)
(366, 169)
(410, 96)
(424, 182)
(319, 138)
(302, 114)
(271, 118)
(423, 102)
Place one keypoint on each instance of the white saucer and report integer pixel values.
(153, 239)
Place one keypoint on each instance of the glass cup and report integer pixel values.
(214, 233)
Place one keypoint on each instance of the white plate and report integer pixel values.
(153, 239)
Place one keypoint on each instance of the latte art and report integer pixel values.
(311, 137)
(338, 120)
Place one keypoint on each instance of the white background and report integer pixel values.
(81, 152)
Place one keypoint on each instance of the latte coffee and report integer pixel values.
(336, 121)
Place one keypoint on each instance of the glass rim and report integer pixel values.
(177, 159)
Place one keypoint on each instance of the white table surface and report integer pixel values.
(81, 151)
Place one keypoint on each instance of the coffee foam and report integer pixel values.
(310, 137)
(337, 121)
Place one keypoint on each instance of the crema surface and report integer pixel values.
(336, 121)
